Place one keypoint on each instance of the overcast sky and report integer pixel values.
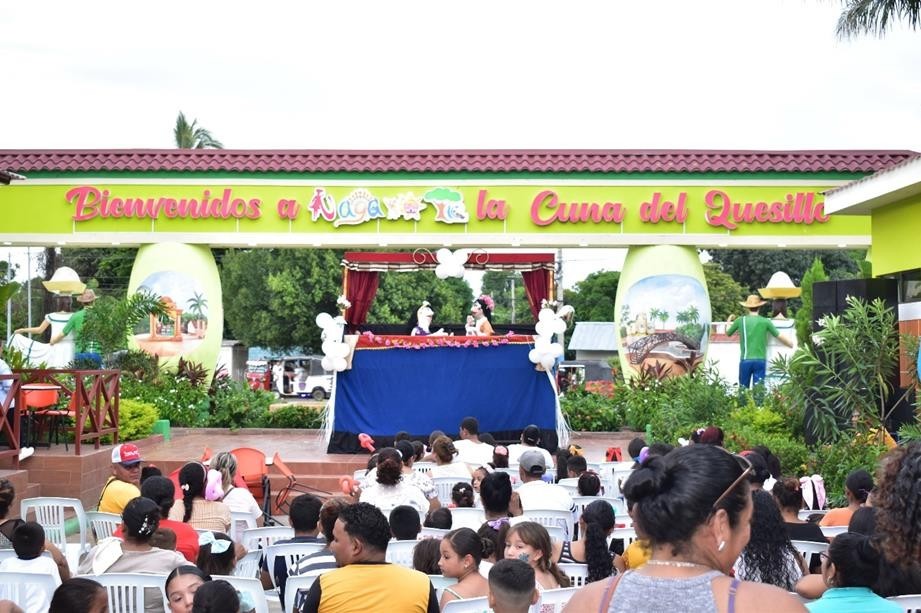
(733, 74)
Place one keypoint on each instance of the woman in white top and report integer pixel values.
(36, 352)
(390, 490)
(445, 466)
(237, 499)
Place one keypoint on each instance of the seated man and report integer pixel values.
(537, 494)
(470, 449)
(124, 484)
(530, 438)
(364, 580)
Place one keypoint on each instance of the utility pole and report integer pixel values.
(512, 281)
(558, 282)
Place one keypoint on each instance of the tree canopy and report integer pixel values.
(725, 292)
(753, 268)
(877, 16)
(498, 284)
(400, 294)
(193, 136)
(593, 297)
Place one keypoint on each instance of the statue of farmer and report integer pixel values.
(753, 330)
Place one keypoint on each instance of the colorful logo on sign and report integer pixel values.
(357, 208)
(449, 205)
(405, 206)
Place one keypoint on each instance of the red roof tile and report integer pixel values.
(547, 161)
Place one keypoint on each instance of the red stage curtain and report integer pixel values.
(362, 287)
(537, 286)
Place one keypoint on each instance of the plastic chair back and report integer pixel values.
(239, 522)
(553, 601)
(17, 587)
(910, 603)
(292, 552)
(463, 517)
(433, 533)
(127, 591)
(302, 583)
(423, 467)
(401, 552)
(557, 533)
(807, 548)
(102, 525)
(833, 531)
(583, 501)
(467, 605)
(444, 485)
(577, 573)
(248, 566)
(260, 538)
(550, 517)
(50, 513)
(253, 587)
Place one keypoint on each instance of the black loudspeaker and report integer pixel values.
(830, 298)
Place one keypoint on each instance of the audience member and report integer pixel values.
(535, 493)
(773, 464)
(363, 582)
(390, 489)
(7, 496)
(181, 585)
(445, 454)
(499, 456)
(426, 555)
(197, 510)
(430, 447)
(711, 435)
(496, 496)
(418, 451)
(489, 439)
(529, 542)
(216, 554)
(659, 449)
(323, 560)
(478, 475)
(596, 523)
(162, 491)
(512, 587)
(562, 458)
(576, 466)
(163, 538)
(216, 596)
(28, 543)
(470, 449)
(404, 523)
(769, 557)
(589, 484)
(79, 595)
(759, 473)
(850, 569)
(150, 471)
(857, 487)
(493, 532)
(304, 517)
(694, 506)
(461, 554)
(462, 495)
(789, 499)
(530, 441)
(124, 484)
(439, 518)
(635, 447)
(237, 499)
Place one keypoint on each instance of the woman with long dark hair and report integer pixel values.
(200, 506)
(769, 556)
(595, 524)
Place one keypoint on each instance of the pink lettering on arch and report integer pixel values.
(85, 200)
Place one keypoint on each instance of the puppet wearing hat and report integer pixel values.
(753, 330)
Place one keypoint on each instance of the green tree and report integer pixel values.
(753, 268)
(815, 274)
(107, 269)
(725, 292)
(656, 314)
(400, 294)
(193, 136)
(593, 297)
(876, 16)
(197, 304)
(111, 320)
(498, 284)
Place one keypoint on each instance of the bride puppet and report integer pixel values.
(424, 315)
(63, 283)
(482, 313)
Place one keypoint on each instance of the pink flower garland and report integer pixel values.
(441, 341)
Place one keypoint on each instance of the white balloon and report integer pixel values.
(556, 350)
(534, 356)
(324, 320)
(339, 350)
(547, 362)
(558, 326)
(545, 315)
(441, 271)
(460, 257)
(543, 328)
(457, 270)
(443, 255)
(339, 364)
(326, 363)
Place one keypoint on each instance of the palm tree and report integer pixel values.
(190, 136)
(655, 314)
(693, 314)
(197, 305)
(876, 16)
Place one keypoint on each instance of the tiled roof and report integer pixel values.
(538, 161)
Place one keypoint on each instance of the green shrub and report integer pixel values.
(835, 461)
(142, 365)
(177, 400)
(135, 419)
(234, 405)
(294, 416)
(590, 412)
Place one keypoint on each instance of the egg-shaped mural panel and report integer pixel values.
(187, 279)
(662, 312)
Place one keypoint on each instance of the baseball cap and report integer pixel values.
(126, 453)
(533, 463)
(531, 435)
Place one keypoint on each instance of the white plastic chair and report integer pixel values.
(240, 521)
(570, 484)
(577, 573)
(292, 552)
(557, 533)
(553, 601)
(440, 582)
(909, 602)
(805, 514)
(299, 582)
(127, 590)
(807, 548)
(102, 525)
(49, 512)
(444, 485)
(248, 566)
(833, 531)
(260, 538)
(16, 586)
(551, 517)
(359, 474)
(467, 605)
(583, 501)
(465, 517)
(401, 552)
(627, 534)
(435, 533)
(253, 587)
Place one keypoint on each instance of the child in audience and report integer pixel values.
(462, 495)
(426, 554)
(589, 484)
(461, 554)
(511, 587)
(216, 596)
(164, 538)
(181, 585)
(216, 553)
(28, 543)
(439, 518)
(575, 466)
(79, 595)
(404, 523)
(529, 542)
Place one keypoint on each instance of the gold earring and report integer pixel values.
(722, 546)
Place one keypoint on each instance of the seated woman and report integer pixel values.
(201, 493)
(461, 553)
(789, 497)
(694, 506)
(445, 466)
(595, 525)
(857, 487)
(849, 569)
(390, 489)
(237, 499)
(769, 557)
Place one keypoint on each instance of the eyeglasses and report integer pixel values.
(746, 470)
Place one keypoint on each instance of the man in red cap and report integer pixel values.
(125, 481)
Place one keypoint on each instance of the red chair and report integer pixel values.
(251, 469)
(292, 486)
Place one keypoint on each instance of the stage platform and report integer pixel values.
(56, 472)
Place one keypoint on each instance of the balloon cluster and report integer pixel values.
(335, 351)
(545, 352)
(451, 264)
